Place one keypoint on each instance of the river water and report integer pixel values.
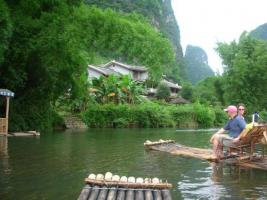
(54, 165)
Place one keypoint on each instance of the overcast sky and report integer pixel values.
(203, 23)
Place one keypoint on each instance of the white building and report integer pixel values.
(174, 88)
(96, 72)
(137, 73)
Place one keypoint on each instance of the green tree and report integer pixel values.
(159, 14)
(46, 46)
(163, 91)
(245, 71)
(187, 91)
(5, 29)
(42, 62)
(209, 91)
(116, 90)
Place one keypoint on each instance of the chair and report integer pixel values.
(249, 137)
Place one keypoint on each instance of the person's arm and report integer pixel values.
(221, 131)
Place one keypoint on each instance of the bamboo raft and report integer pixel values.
(177, 149)
(170, 146)
(27, 133)
(108, 186)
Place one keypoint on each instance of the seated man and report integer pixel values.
(234, 126)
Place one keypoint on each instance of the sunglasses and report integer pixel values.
(241, 109)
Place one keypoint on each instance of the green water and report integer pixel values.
(53, 166)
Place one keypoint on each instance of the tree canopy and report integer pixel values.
(245, 75)
(46, 46)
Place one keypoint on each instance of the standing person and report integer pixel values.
(234, 126)
(241, 110)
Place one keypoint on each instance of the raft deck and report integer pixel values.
(177, 149)
(100, 187)
(170, 146)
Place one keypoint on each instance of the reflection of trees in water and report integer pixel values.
(3, 147)
(222, 181)
(240, 182)
(4, 165)
(221, 172)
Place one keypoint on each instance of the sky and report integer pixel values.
(203, 23)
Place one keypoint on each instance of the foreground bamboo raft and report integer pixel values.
(170, 146)
(108, 186)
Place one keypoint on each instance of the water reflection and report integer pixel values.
(221, 181)
(55, 165)
(4, 165)
(4, 152)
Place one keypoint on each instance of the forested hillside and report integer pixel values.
(47, 45)
(260, 32)
(160, 15)
(197, 64)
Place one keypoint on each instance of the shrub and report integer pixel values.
(220, 116)
(204, 115)
(149, 115)
(263, 116)
(184, 116)
(163, 91)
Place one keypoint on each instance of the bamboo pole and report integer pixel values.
(85, 193)
(130, 195)
(121, 195)
(148, 195)
(103, 193)
(112, 194)
(139, 195)
(94, 193)
(166, 194)
(129, 184)
(157, 195)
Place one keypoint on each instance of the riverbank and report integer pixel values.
(153, 115)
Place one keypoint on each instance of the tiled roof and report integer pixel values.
(104, 70)
(130, 67)
(171, 85)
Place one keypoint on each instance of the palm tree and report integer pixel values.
(114, 89)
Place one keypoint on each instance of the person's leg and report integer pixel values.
(216, 146)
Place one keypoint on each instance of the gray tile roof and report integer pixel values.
(104, 70)
(130, 67)
(171, 85)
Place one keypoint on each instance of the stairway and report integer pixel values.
(73, 122)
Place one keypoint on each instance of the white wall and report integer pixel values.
(93, 74)
(144, 75)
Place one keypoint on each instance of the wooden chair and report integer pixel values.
(249, 137)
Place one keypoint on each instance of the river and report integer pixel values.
(54, 165)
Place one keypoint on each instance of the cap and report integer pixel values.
(231, 109)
